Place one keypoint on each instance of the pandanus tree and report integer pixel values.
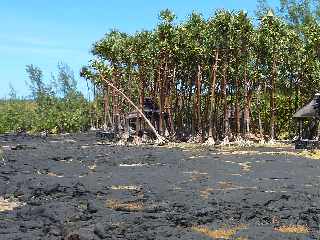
(142, 57)
(243, 48)
(97, 72)
(110, 49)
(201, 71)
(289, 78)
(213, 54)
(271, 32)
(223, 25)
(164, 39)
(194, 37)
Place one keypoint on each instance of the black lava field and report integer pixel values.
(73, 187)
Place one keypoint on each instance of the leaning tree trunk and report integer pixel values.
(212, 95)
(116, 89)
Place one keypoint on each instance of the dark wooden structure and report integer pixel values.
(308, 119)
(151, 111)
(135, 124)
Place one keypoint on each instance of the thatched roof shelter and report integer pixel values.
(311, 110)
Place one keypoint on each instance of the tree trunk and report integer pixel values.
(197, 101)
(237, 104)
(246, 112)
(107, 116)
(160, 139)
(225, 102)
(115, 112)
(192, 108)
(272, 101)
(237, 110)
(171, 91)
(258, 102)
(140, 123)
(162, 98)
(212, 130)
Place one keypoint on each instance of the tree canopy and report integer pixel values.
(224, 77)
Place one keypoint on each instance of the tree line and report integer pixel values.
(225, 77)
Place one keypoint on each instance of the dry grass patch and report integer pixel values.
(222, 233)
(293, 229)
(196, 176)
(240, 152)
(196, 157)
(314, 154)
(52, 174)
(9, 205)
(187, 147)
(206, 192)
(93, 167)
(245, 166)
(225, 185)
(126, 187)
(128, 207)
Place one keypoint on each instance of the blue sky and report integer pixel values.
(45, 32)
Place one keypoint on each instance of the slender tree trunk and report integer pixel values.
(192, 108)
(198, 97)
(291, 110)
(272, 101)
(205, 115)
(140, 123)
(212, 130)
(237, 110)
(107, 116)
(296, 101)
(225, 102)
(177, 109)
(96, 106)
(172, 91)
(258, 102)
(157, 76)
(246, 112)
(237, 103)
(162, 98)
(115, 112)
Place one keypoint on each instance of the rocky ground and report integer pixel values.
(74, 187)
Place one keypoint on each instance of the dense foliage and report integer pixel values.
(56, 107)
(223, 77)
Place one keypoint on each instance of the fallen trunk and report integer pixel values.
(159, 138)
